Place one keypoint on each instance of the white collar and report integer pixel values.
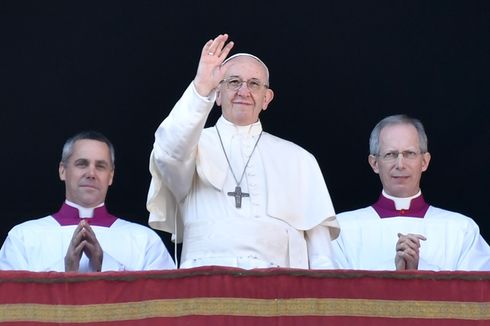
(402, 202)
(227, 128)
(84, 212)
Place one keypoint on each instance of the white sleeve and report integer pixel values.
(320, 253)
(22, 250)
(176, 140)
(475, 255)
(157, 255)
(173, 159)
(12, 254)
(339, 253)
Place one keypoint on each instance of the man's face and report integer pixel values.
(88, 173)
(243, 106)
(400, 176)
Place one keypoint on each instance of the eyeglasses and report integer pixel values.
(234, 84)
(394, 155)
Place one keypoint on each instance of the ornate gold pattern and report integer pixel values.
(327, 307)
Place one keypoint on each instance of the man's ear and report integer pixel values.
(218, 98)
(269, 95)
(373, 162)
(61, 171)
(112, 177)
(425, 161)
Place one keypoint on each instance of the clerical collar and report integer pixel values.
(389, 206)
(84, 212)
(227, 127)
(401, 202)
(71, 215)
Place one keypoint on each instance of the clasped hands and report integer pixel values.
(407, 251)
(83, 241)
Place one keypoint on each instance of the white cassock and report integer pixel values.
(367, 241)
(288, 219)
(40, 245)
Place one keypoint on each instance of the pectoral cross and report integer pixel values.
(238, 194)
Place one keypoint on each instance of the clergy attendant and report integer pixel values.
(83, 236)
(234, 194)
(401, 230)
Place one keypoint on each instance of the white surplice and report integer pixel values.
(40, 245)
(368, 242)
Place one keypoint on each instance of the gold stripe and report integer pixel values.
(245, 307)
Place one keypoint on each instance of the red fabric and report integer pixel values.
(55, 290)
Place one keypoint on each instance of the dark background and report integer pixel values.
(337, 68)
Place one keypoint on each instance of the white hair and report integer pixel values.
(251, 56)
